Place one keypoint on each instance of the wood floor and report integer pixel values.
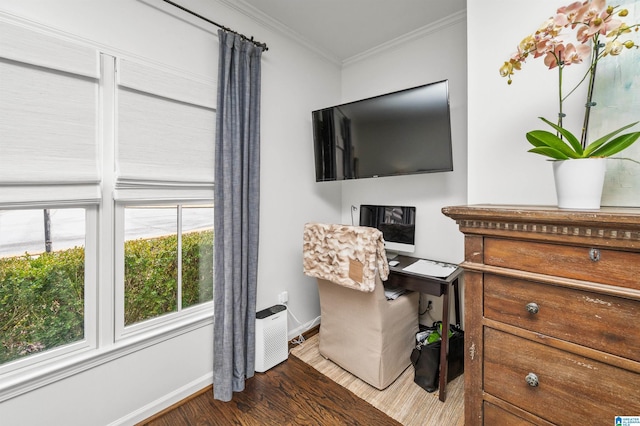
(292, 393)
(403, 400)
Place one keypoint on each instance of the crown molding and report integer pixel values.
(413, 35)
(273, 24)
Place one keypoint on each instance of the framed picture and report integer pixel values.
(617, 97)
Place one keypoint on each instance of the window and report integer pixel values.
(105, 147)
(49, 173)
(167, 259)
(42, 280)
(163, 188)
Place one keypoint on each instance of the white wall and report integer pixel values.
(500, 168)
(436, 55)
(294, 82)
(124, 391)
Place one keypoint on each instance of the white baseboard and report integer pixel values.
(292, 334)
(185, 391)
(164, 402)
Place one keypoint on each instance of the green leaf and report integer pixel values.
(618, 144)
(593, 146)
(542, 138)
(575, 143)
(549, 152)
(536, 137)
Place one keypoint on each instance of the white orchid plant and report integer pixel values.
(599, 33)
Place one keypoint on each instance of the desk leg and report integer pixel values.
(444, 347)
(456, 295)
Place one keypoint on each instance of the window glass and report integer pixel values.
(157, 239)
(42, 280)
(150, 262)
(197, 255)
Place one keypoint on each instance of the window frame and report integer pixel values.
(89, 342)
(181, 316)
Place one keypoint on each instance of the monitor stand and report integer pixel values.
(391, 255)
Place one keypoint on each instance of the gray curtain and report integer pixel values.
(237, 199)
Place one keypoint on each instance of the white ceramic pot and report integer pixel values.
(579, 182)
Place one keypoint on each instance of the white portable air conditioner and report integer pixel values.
(271, 337)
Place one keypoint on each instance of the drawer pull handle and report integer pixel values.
(532, 308)
(594, 254)
(532, 380)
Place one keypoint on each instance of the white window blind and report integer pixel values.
(166, 134)
(48, 119)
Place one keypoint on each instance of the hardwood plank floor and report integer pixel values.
(292, 393)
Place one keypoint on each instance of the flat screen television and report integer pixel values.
(399, 133)
(397, 223)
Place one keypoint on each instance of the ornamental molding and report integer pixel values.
(551, 229)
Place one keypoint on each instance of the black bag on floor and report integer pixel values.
(425, 357)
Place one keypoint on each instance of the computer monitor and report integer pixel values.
(397, 223)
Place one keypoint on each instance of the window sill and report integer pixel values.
(23, 380)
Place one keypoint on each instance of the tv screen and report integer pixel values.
(397, 223)
(399, 133)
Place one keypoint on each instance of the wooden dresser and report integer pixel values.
(552, 314)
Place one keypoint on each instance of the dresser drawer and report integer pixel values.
(572, 389)
(612, 267)
(594, 320)
(495, 416)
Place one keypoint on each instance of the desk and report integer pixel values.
(437, 287)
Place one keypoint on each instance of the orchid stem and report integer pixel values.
(560, 112)
(589, 104)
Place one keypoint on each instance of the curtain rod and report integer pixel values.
(263, 46)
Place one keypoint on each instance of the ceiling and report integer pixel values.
(343, 29)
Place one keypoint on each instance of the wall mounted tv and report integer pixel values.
(399, 133)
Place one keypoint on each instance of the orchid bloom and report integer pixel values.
(596, 18)
(506, 70)
(591, 12)
(575, 54)
(590, 21)
(613, 47)
(526, 45)
(567, 15)
(553, 56)
(569, 54)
